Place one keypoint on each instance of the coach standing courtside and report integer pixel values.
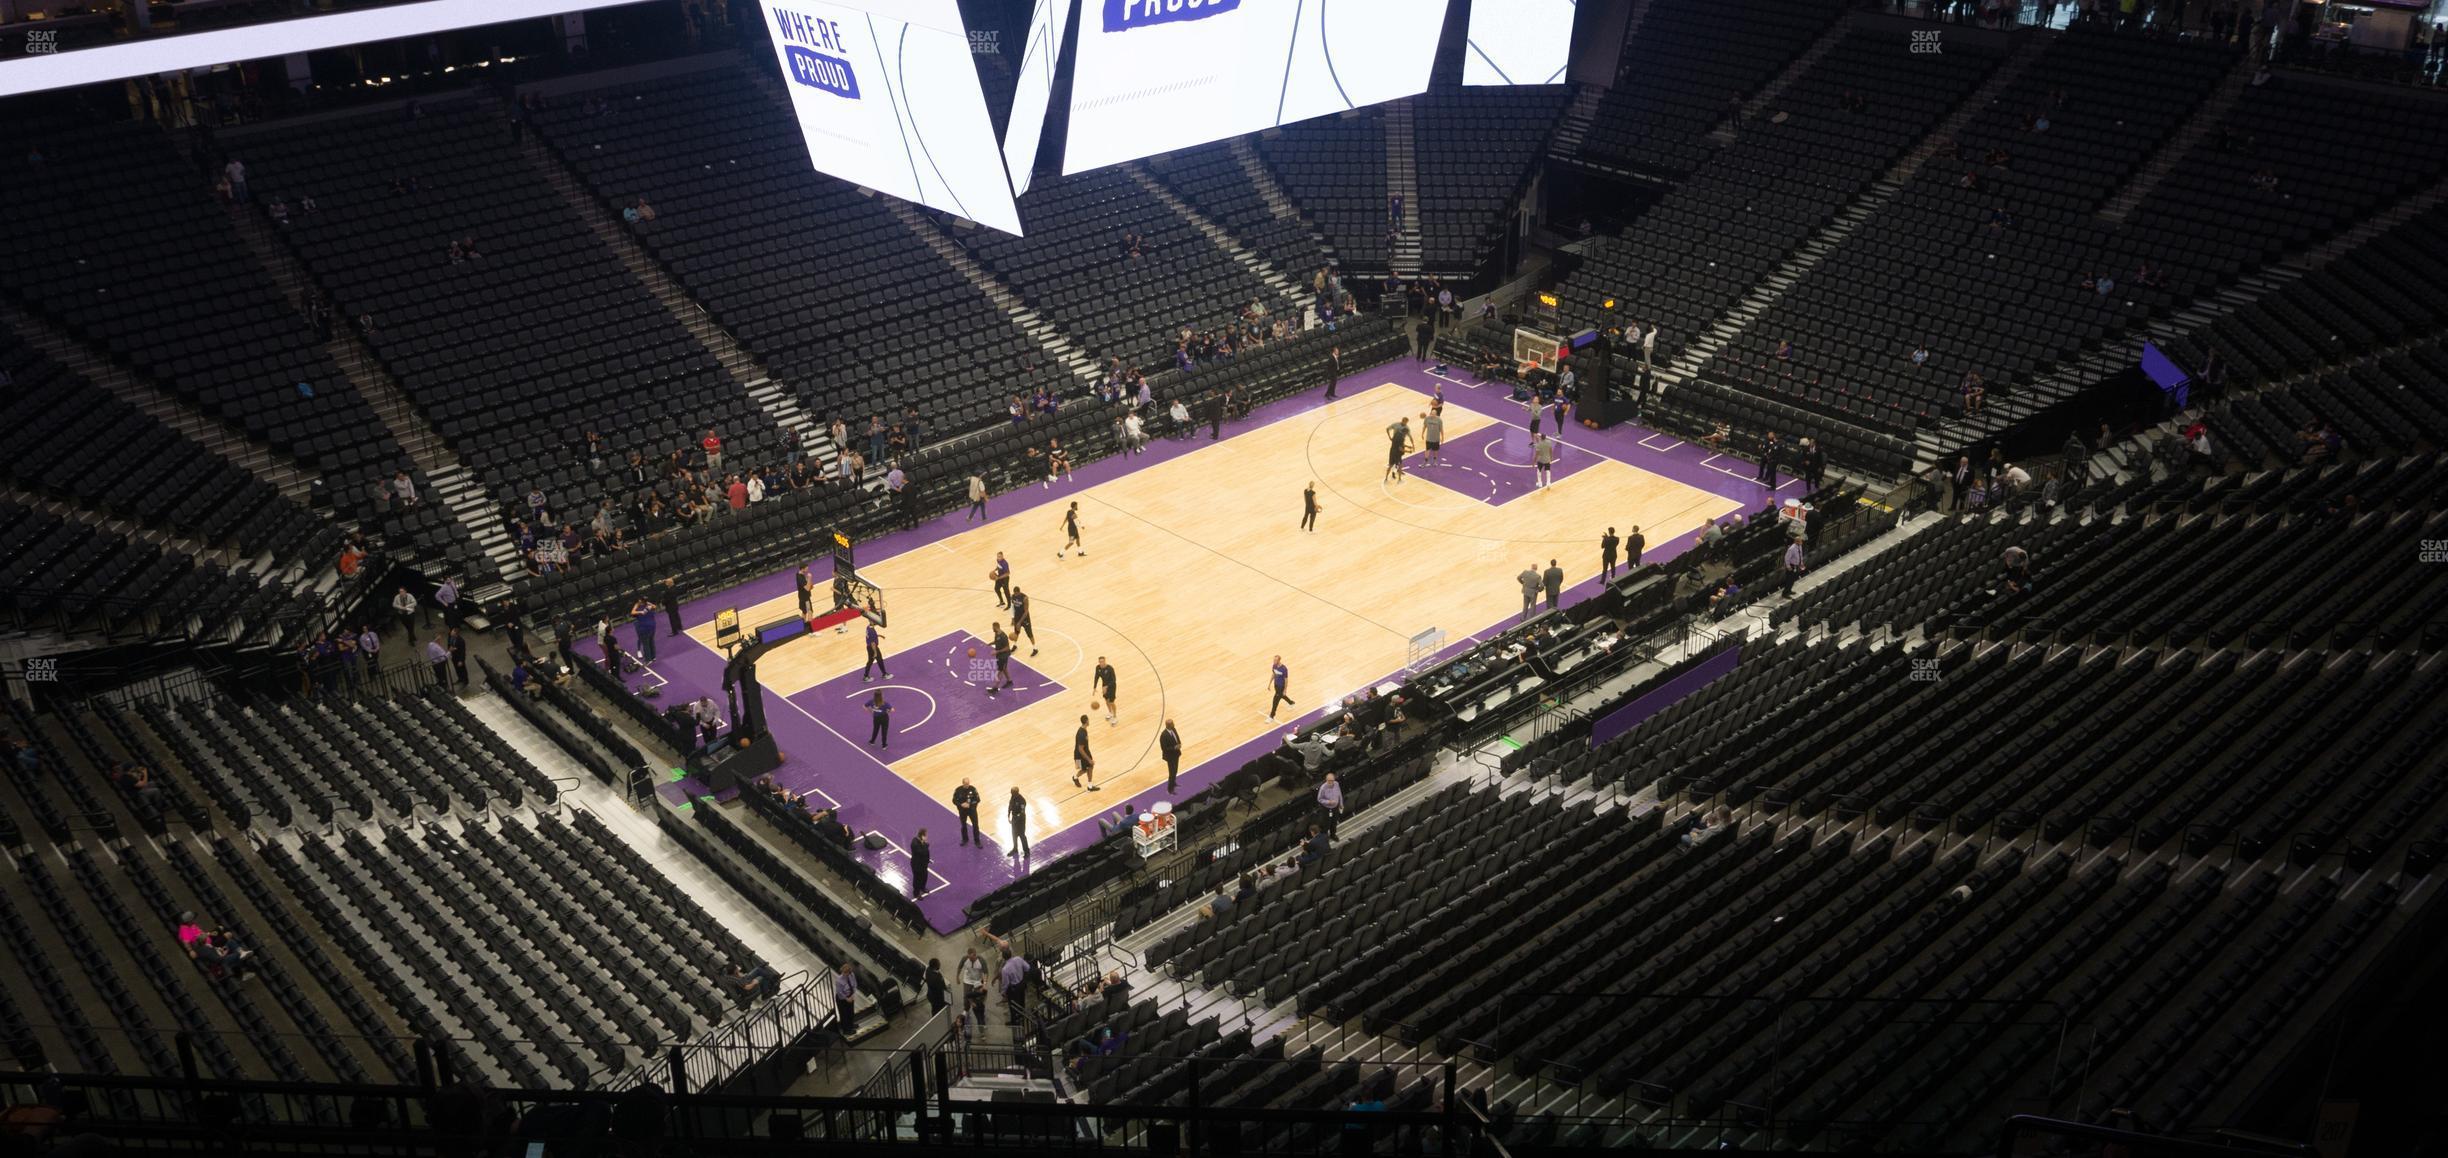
(1168, 742)
(965, 805)
(1529, 579)
(1016, 811)
(1554, 579)
(1606, 553)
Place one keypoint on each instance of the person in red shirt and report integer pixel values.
(738, 492)
(712, 443)
(350, 557)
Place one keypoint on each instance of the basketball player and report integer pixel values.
(807, 592)
(1309, 506)
(1071, 539)
(1398, 442)
(1542, 455)
(1022, 624)
(1002, 580)
(1082, 763)
(1278, 677)
(1432, 434)
(1002, 656)
(1103, 680)
(875, 654)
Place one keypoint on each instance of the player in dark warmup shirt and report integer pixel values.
(1277, 679)
(875, 653)
(1309, 507)
(1022, 624)
(1071, 539)
(1082, 763)
(1002, 580)
(1002, 658)
(1103, 681)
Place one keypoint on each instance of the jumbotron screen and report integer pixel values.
(1152, 76)
(1518, 42)
(1034, 90)
(887, 98)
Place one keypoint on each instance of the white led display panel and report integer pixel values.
(1518, 42)
(887, 97)
(1152, 76)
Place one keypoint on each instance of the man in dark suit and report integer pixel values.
(1334, 370)
(1168, 742)
(920, 853)
(965, 804)
(1632, 549)
(1017, 812)
(1554, 579)
(671, 602)
(1606, 553)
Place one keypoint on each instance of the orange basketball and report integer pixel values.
(973, 653)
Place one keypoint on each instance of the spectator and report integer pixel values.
(1330, 802)
(937, 1000)
(1316, 847)
(971, 973)
(1014, 975)
(1973, 391)
(845, 998)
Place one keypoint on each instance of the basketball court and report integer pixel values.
(1195, 576)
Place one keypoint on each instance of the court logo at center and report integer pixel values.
(1124, 15)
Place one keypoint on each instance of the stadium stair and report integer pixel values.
(2206, 116)
(1048, 336)
(1763, 102)
(451, 479)
(1271, 191)
(738, 362)
(1402, 180)
(1223, 238)
(1785, 276)
(294, 479)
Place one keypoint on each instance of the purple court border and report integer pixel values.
(872, 798)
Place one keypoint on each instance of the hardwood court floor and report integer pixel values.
(1197, 575)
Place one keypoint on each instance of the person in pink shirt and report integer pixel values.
(738, 492)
